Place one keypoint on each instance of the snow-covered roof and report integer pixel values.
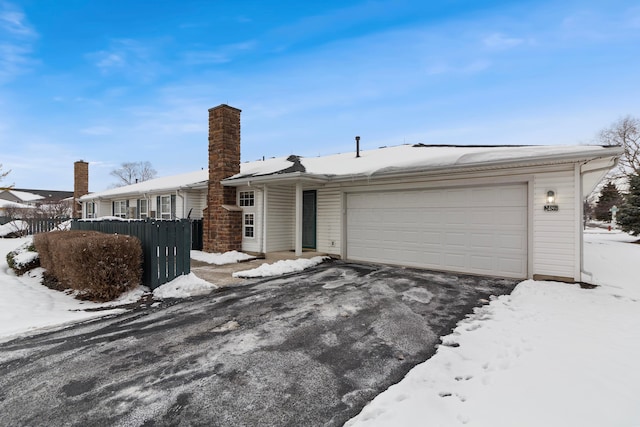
(419, 157)
(26, 196)
(381, 161)
(8, 204)
(167, 183)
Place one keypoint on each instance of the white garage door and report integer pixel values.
(481, 230)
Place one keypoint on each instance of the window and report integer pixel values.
(246, 198)
(248, 225)
(143, 209)
(165, 207)
(91, 210)
(120, 208)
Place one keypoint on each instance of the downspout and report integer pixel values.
(582, 199)
(264, 219)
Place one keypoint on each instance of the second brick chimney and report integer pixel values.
(222, 222)
(80, 185)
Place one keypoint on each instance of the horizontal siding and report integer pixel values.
(196, 200)
(554, 250)
(280, 218)
(329, 220)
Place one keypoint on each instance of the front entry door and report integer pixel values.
(309, 219)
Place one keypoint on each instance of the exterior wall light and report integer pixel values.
(551, 197)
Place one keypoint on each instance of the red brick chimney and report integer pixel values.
(80, 185)
(222, 223)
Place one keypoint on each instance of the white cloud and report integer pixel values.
(132, 58)
(17, 37)
(14, 22)
(500, 41)
(220, 55)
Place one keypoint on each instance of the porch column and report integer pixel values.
(298, 234)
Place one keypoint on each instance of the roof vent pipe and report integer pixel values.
(357, 146)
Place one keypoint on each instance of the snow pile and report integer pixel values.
(281, 267)
(16, 226)
(548, 354)
(25, 257)
(183, 287)
(220, 259)
(27, 306)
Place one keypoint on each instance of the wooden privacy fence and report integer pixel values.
(166, 245)
(42, 225)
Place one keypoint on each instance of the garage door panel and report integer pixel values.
(477, 230)
(480, 241)
(455, 260)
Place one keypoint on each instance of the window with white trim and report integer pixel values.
(120, 208)
(248, 225)
(143, 208)
(246, 198)
(91, 210)
(165, 207)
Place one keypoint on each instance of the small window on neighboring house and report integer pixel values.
(246, 198)
(143, 208)
(166, 206)
(248, 225)
(91, 210)
(120, 208)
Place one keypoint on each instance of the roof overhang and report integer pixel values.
(600, 161)
(282, 178)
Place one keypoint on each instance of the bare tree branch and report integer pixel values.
(625, 133)
(132, 172)
(2, 176)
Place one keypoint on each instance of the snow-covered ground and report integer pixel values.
(220, 258)
(281, 267)
(549, 354)
(26, 306)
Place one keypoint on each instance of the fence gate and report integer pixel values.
(166, 245)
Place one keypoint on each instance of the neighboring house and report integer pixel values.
(52, 203)
(510, 211)
(12, 210)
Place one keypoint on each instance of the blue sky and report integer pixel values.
(111, 81)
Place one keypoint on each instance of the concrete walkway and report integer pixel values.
(221, 275)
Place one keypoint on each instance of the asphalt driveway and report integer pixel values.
(307, 349)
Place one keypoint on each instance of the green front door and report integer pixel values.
(309, 219)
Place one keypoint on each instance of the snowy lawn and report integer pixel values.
(27, 306)
(549, 354)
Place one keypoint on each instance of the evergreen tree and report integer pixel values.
(628, 217)
(609, 196)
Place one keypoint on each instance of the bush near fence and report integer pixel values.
(99, 266)
(165, 244)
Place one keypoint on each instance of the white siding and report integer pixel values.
(196, 200)
(103, 208)
(329, 220)
(280, 218)
(554, 248)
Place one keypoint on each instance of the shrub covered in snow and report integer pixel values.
(16, 228)
(23, 259)
(98, 266)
